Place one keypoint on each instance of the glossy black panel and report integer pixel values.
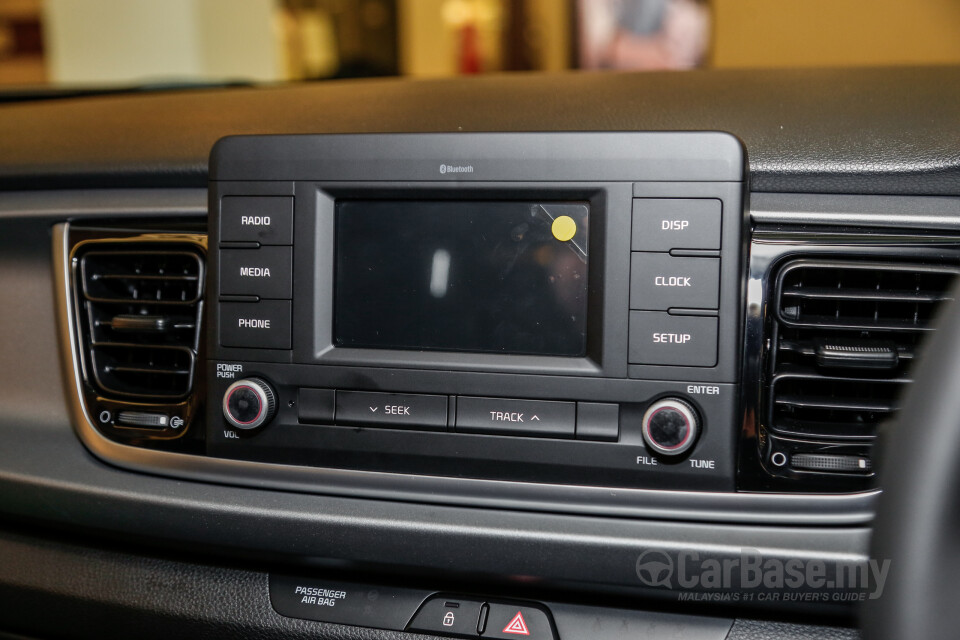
(494, 277)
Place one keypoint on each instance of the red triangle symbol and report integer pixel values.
(517, 626)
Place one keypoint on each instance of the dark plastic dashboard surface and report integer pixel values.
(149, 596)
(856, 131)
(79, 492)
(876, 131)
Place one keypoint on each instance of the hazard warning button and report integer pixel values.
(512, 621)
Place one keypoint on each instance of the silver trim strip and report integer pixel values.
(779, 509)
(913, 212)
(117, 203)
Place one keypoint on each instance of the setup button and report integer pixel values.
(660, 338)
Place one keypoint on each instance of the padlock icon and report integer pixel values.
(448, 619)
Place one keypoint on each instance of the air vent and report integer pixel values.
(140, 309)
(845, 335)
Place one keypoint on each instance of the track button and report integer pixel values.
(508, 417)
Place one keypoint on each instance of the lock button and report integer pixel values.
(449, 617)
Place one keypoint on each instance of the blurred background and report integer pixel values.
(116, 42)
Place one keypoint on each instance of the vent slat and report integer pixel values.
(867, 296)
(822, 293)
(132, 276)
(808, 371)
(836, 404)
(142, 318)
(912, 323)
(825, 432)
(808, 348)
(152, 370)
(146, 277)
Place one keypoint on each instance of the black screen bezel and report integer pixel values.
(314, 277)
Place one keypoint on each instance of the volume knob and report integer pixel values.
(249, 403)
(670, 427)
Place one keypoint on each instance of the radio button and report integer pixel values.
(402, 410)
(660, 338)
(255, 325)
(265, 273)
(535, 418)
(264, 219)
(662, 224)
(658, 282)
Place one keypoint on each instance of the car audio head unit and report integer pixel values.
(544, 307)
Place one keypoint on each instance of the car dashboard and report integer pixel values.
(557, 356)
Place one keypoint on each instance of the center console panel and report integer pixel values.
(557, 308)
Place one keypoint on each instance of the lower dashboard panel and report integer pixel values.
(46, 581)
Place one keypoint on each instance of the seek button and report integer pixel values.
(403, 410)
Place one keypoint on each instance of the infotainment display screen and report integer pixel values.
(478, 276)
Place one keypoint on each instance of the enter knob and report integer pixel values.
(249, 403)
(670, 427)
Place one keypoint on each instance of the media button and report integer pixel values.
(659, 282)
(662, 224)
(264, 219)
(498, 416)
(660, 338)
(256, 325)
(265, 272)
(403, 410)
